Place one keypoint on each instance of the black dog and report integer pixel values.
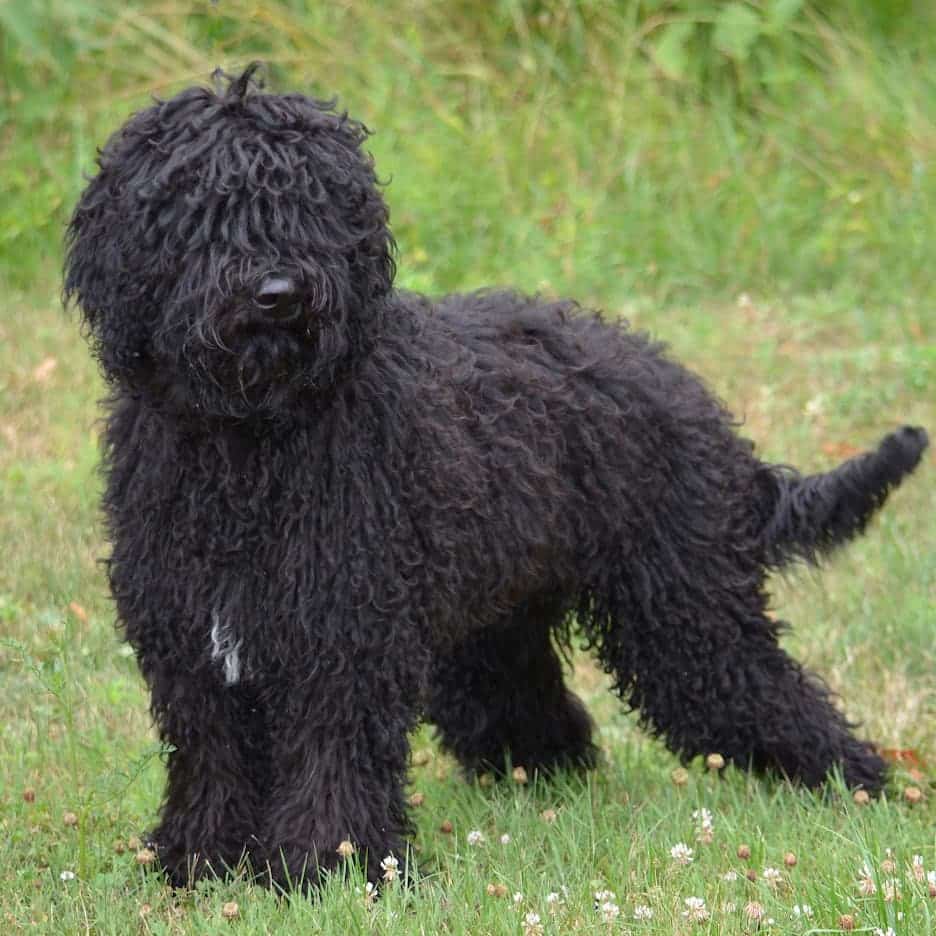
(336, 507)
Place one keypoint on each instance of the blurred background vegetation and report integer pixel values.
(674, 149)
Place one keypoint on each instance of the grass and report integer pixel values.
(659, 160)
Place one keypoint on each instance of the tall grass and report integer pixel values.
(667, 149)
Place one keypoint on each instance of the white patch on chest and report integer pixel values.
(226, 649)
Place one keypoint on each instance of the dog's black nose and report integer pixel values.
(278, 298)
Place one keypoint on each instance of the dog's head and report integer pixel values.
(231, 249)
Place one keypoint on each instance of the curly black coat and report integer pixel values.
(336, 507)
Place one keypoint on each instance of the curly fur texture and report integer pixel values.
(336, 507)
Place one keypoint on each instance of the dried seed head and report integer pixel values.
(345, 849)
(120, 846)
(133, 843)
(861, 797)
(69, 819)
(913, 795)
(680, 776)
(715, 762)
(744, 852)
(519, 775)
(891, 890)
(866, 882)
(485, 780)
(888, 866)
(446, 827)
(751, 874)
(417, 799)
(846, 922)
(421, 758)
(145, 856)
(548, 815)
(496, 890)
(230, 910)
(29, 796)
(789, 859)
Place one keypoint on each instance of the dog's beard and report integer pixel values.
(265, 358)
(234, 364)
(258, 371)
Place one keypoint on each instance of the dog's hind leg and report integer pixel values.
(498, 697)
(711, 677)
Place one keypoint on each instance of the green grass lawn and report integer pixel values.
(756, 186)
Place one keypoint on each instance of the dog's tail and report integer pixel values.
(809, 516)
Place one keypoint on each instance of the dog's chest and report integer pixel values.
(254, 558)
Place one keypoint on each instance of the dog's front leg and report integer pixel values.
(339, 746)
(216, 773)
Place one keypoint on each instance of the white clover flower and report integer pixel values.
(881, 932)
(532, 925)
(705, 831)
(390, 867)
(505, 839)
(916, 868)
(602, 896)
(553, 899)
(67, 876)
(695, 910)
(643, 912)
(475, 837)
(802, 910)
(682, 853)
(729, 906)
(609, 911)
(773, 876)
(815, 405)
(754, 911)
(891, 890)
(518, 898)
(729, 877)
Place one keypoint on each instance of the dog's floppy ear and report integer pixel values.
(113, 302)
